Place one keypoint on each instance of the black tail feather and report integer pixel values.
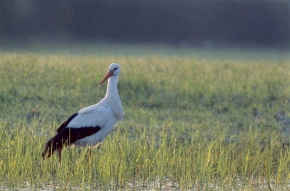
(50, 147)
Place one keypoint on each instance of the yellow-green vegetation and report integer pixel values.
(190, 123)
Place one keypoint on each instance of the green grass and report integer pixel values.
(189, 122)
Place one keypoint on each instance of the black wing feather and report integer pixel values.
(67, 135)
(64, 124)
(70, 135)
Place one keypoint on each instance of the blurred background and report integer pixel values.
(181, 23)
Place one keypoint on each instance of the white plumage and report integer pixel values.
(90, 125)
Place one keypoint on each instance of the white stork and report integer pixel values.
(90, 125)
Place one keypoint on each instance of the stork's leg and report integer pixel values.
(59, 155)
(89, 154)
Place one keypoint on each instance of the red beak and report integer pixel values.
(109, 74)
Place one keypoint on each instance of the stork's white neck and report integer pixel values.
(112, 98)
(112, 90)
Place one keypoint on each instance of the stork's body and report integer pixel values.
(90, 125)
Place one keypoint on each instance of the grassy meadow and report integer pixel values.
(191, 123)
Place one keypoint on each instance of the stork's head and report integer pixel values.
(114, 70)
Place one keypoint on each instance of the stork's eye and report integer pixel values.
(115, 68)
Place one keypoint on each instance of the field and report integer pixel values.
(191, 123)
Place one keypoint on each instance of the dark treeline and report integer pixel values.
(188, 22)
